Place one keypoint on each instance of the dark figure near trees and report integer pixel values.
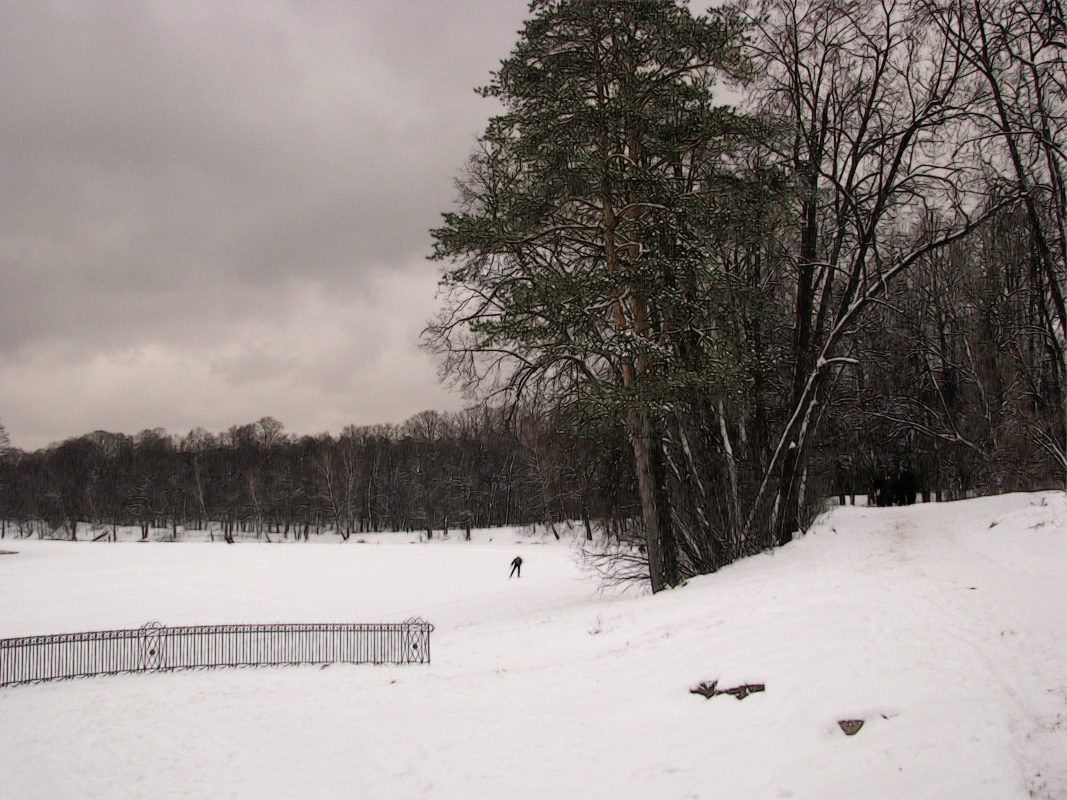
(907, 486)
(516, 567)
(884, 489)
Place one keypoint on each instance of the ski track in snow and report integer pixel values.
(941, 625)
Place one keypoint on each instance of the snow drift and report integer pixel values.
(940, 626)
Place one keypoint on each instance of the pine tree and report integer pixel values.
(581, 265)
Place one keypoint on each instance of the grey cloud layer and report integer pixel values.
(171, 170)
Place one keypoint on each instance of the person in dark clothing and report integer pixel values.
(883, 491)
(516, 567)
(907, 486)
(874, 494)
(889, 492)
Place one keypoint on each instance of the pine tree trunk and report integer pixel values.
(662, 565)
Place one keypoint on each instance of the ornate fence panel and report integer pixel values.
(156, 647)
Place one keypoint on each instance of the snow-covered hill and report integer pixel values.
(942, 626)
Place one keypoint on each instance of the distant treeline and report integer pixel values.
(437, 471)
(486, 467)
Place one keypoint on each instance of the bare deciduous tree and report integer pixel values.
(868, 101)
(1018, 54)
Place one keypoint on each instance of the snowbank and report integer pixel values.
(941, 626)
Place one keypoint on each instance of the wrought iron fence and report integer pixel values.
(155, 647)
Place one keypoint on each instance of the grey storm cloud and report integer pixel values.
(215, 211)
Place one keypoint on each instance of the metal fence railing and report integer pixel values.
(155, 647)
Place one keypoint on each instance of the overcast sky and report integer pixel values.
(213, 211)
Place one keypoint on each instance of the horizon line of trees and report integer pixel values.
(487, 467)
(435, 472)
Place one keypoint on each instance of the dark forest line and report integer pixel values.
(437, 471)
(487, 467)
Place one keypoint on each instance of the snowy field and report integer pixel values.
(943, 626)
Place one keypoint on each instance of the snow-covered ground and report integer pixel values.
(943, 626)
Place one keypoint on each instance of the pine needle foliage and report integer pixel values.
(583, 265)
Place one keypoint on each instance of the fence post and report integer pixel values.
(153, 646)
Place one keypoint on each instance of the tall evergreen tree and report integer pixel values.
(580, 267)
